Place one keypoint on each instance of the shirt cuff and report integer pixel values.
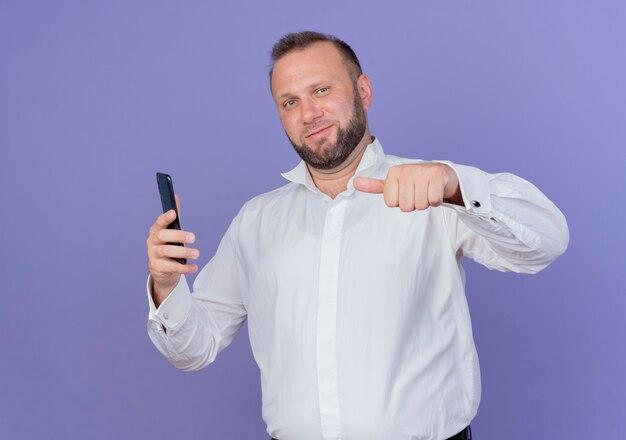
(474, 185)
(175, 309)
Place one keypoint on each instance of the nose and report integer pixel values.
(311, 111)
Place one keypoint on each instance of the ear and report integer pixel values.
(364, 87)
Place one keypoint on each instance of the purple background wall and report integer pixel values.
(97, 96)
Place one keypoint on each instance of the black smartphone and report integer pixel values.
(166, 190)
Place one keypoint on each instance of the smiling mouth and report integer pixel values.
(318, 131)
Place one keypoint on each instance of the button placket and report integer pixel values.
(327, 319)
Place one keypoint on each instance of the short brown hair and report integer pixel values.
(302, 40)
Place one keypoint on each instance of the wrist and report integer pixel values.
(456, 198)
(160, 291)
(452, 193)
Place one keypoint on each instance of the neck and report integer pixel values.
(335, 181)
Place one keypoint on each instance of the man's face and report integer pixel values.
(319, 105)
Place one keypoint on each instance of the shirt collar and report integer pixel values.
(372, 155)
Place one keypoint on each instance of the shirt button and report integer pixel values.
(166, 316)
(475, 203)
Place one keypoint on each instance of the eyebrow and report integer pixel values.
(286, 95)
(313, 86)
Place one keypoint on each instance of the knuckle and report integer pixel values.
(408, 171)
(166, 267)
(152, 267)
(439, 171)
(159, 251)
(436, 201)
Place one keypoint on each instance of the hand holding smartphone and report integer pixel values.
(168, 201)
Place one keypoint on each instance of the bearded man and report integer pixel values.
(350, 274)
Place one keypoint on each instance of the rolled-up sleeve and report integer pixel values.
(507, 223)
(191, 328)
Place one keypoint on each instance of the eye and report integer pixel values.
(323, 90)
(289, 104)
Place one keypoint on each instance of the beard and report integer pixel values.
(332, 155)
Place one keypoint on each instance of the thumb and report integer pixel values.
(369, 185)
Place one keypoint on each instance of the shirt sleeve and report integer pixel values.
(507, 224)
(191, 329)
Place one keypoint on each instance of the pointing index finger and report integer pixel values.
(369, 185)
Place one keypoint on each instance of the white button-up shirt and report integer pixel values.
(356, 312)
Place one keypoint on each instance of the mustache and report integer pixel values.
(317, 127)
